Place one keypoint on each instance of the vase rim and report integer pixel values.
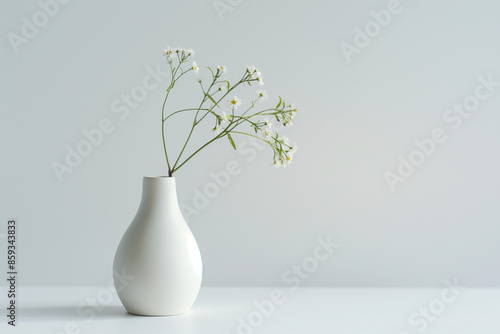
(159, 177)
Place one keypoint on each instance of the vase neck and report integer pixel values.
(159, 192)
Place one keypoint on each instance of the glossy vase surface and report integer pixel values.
(159, 255)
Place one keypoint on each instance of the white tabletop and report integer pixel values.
(281, 310)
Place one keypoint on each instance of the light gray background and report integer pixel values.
(354, 120)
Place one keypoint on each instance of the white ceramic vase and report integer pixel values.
(160, 254)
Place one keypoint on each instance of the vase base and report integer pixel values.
(156, 315)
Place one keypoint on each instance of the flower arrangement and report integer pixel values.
(225, 125)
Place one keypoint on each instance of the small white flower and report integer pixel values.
(268, 122)
(195, 67)
(293, 149)
(224, 119)
(222, 87)
(235, 102)
(281, 162)
(251, 69)
(262, 95)
(285, 140)
(222, 68)
(190, 52)
(288, 123)
(258, 74)
(169, 54)
(267, 133)
(261, 82)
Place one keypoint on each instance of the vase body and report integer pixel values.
(159, 254)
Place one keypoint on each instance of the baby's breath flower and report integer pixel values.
(267, 122)
(195, 67)
(260, 81)
(262, 95)
(288, 123)
(222, 68)
(285, 140)
(267, 133)
(224, 119)
(281, 162)
(235, 102)
(169, 54)
(222, 87)
(251, 69)
(190, 52)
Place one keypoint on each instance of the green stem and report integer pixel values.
(192, 129)
(172, 83)
(195, 122)
(248, 134)
(179, 111)
(198, 150)
(163, 132)
(211, 109)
